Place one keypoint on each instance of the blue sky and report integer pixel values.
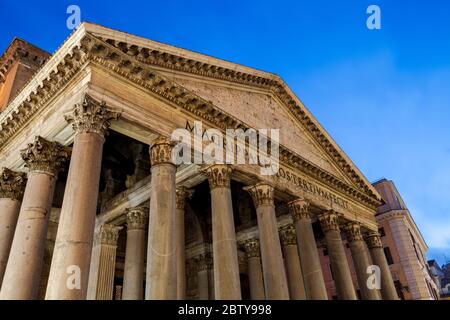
(383, 95)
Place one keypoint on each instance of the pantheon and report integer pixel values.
(93, 207)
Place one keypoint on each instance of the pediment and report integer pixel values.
(217, 81)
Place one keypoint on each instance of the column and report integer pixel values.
(255, 274)
(338, 259)
(388, 291)
(161, 276)
(307, 249)
(292, 261)
(12, 186)
(101, 276)
(73, 245)
(360, 258)
(203, 262)
(133, 275)
(44, 160)
(272, 258)
(227, 284)
(181, 194)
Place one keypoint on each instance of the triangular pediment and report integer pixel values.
(220, 82)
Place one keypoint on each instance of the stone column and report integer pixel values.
(292, 260)
(375, 245)
(203, 262)
(161, 277)
(12, 186)
(23, 271)
(181, 193)
(133, 275)
(75, 235)
(255, 274)
(103, 264)
(275, 282)
(227, 284)
(307, 249)
(338, 259)
(360, 258)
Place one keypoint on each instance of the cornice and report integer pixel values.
(87, 48)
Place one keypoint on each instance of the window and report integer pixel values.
(387, 253)
(381, 231)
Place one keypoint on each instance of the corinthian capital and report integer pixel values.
(288, 235)
(299, 209)
(373, 240)
(109, 234)
(91, 116)
(203, 262)
(161, 151)
(353, 232)
(45, 156)
(219, 175)
(261, 193)
(329, 220)
(137, 217)
(12, 184)
(251, 248)
(182, 194)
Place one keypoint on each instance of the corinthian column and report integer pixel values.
(255, 274)
(182, 194)
(161, 277)
(338, 259)
(23, 271)
(73, 245)
(292, 260)
(272, 258)
(375, 245)
(12, 186)
(360, 258)
(307, 249)
(227, 284)
(133, 275)
(103, 263)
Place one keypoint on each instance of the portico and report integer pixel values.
(132, 218)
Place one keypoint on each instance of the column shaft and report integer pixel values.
(12, 185)
(161, 281)
(307, 248)
(23, 271)
(292, 261)
(338, 258)
(74, 238)
(388, 291)
(75, 235)
(275, 281)
(226, 267)
(255, 273)
(133, 276)
(360, 258)
(181, 194)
